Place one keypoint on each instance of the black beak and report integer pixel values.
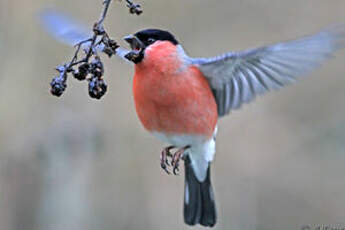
(134, 42)
(138, 47)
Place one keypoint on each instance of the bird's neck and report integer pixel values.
(163, 57)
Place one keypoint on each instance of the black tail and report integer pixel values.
(199, 205)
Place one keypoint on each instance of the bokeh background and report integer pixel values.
(77, 163)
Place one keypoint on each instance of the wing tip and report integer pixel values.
(337, 35)
(61, 26)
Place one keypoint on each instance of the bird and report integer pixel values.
(180, 99)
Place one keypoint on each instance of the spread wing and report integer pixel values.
(238, 77)
(67, 30)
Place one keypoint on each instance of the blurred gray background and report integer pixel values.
(76, 163)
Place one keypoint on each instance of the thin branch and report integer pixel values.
(105, 10)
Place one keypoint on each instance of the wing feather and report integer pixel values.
(237, 78)
(247, 91)
(227, 92)
(236, 94)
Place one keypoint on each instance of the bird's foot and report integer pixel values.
(164, 158)
(175, 158)
(178, 155)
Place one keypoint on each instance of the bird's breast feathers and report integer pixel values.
(172, 96)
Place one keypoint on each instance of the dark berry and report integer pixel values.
(82, 71)
(135, 9)
(113, 45)
(108, 51)
(110, 47)
(58, 85)
(97, 68)
(97, 87)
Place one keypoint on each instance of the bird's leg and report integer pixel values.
(164, 158)
(176, 158)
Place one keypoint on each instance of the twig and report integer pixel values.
(105, 10)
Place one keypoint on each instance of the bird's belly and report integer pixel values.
(180, 140)
(175, 105)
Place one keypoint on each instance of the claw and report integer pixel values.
(164, 167)
(176, 169)
(164, 158)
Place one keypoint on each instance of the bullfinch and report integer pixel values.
(179, 99)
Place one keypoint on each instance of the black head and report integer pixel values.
(149, 36)
(144, 38)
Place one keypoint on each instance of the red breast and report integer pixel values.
(170, 96)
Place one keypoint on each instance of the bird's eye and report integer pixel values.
(151, 40)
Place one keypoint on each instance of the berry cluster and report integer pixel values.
(90, 67)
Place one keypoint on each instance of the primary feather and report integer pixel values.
(238, 77)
